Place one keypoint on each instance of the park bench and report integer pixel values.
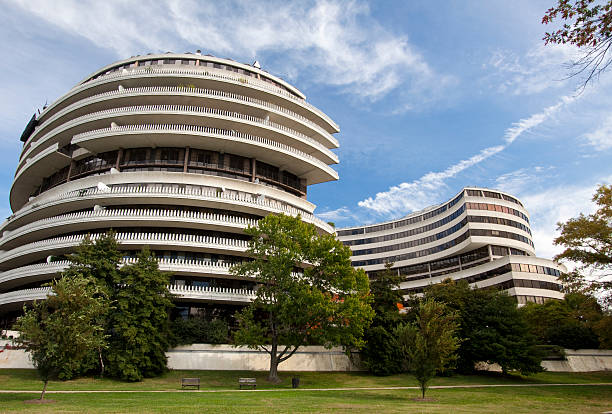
(250, 382)
(190, 382)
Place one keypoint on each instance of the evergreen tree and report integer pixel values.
(491, 328)
(140, 331)
(381, 354)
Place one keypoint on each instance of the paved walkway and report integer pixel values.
(308, 389)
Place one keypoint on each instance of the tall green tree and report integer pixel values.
(491, 328)
(381, 354)
(430, 343)
(587, 240)
(61, 331)
(139, 320)
(308, 291)
(588, 26)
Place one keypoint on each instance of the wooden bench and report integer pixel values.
(190, 382)
(248, 382)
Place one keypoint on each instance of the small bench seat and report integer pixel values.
(190, 382)
(247, 382)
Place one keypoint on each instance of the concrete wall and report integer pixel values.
(309, 358)
(227, 357)
(582, 360)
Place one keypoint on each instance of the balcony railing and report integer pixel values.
(202, 194)
(203, 92)
(142, 214)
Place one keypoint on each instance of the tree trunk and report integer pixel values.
(423, 388)
(44, 390)
(101, 363)
(273, 374)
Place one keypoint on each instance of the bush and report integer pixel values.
(199, 330)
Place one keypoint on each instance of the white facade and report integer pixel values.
(480, 235)
(178, 152)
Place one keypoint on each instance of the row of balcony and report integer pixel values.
(181, 110)
(254, 200)
(191, 91)
(170, 215)
(239, 80)
(195, 293)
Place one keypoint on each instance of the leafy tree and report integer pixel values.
(381, 354)
(491, 328)
(308, 292)
(430, 343)
(572, 323)
(588, 25)
(140, 331)
(61, 331)
(587, 240)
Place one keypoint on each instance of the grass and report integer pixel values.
(579, 399)
(584, 399)
(27, 379)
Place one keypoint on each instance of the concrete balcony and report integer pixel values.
(205, 97)
(16, 299)
(170, 114)
(118, 218)
(202, 76)
(39, 250)
(131, 194)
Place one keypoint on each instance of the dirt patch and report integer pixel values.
(39, 401)
(426, 399)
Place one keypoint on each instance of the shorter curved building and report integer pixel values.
(480, 235)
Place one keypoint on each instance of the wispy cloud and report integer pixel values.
(331, 42)
(415, 195)
(541, 68)
(554, 205)
(515, 182)
(601, 138)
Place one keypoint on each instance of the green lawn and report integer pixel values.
(25, 379)
(575, 399)
(565, 399)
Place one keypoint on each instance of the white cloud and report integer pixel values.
(541, 68)
(601, 138)
(554, 205)
(516, 181)
(415, 195)
(332, 42)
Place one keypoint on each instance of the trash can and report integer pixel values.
(295, 382)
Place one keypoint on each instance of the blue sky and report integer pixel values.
(430, 96)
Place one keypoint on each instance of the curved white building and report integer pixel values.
(480, 235)
(179, 152)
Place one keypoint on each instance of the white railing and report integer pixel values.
(182, 109)
(204, 194)
(204, 73)
(193, 292)
(142, 213)
(128, 238)
(25, 295)
(218, 132)
(203, 92)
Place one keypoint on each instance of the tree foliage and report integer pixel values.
(140, 332)
(63, 330)
(430, 343)
(588, 25)
(381, 354)
(491, 328)
(587, 240)
(137, 320)
(308, 291)
(576, 322)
